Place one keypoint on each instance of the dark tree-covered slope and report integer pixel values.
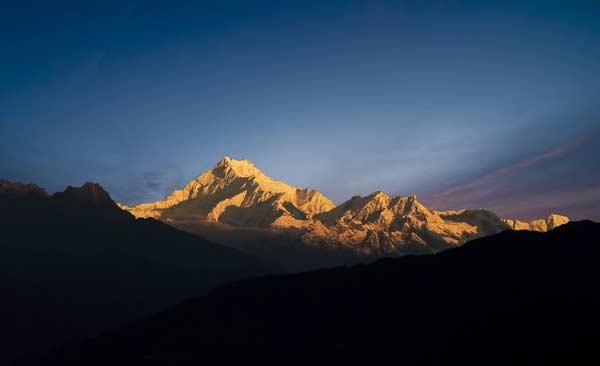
(73, 264)
(515, 297)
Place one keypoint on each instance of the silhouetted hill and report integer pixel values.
(515, 297)
(8, 188)
(73, 264)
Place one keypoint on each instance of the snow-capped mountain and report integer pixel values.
(235, 196)
(387, 225)
(236, 192)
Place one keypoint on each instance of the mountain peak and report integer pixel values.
(237, 192)
(88, 194)
(242, 168)
(89, 200)
(554, 220)
(377, 207)
(378, 195)
(229, 161)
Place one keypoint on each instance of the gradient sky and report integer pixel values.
(471, 104)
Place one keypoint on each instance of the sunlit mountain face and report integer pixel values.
(234, 203)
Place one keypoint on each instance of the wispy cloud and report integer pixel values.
(580, 203)
(149, 185)
(488, 178)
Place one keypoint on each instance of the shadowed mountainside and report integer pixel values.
(73, 264)
(515, 297)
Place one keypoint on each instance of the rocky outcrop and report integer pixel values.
(542, 225)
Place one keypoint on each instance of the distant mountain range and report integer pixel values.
(73, 264)
(517, 297)
(236, 204)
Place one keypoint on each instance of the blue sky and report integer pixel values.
(465, 103)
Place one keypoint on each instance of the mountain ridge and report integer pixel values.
(238, 194)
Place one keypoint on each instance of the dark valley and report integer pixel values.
(511, 298)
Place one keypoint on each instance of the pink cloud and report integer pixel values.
(469, 187)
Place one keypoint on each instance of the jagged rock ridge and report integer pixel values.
(386, 225)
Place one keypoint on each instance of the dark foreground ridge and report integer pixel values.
(74, 264)
(515, 297)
